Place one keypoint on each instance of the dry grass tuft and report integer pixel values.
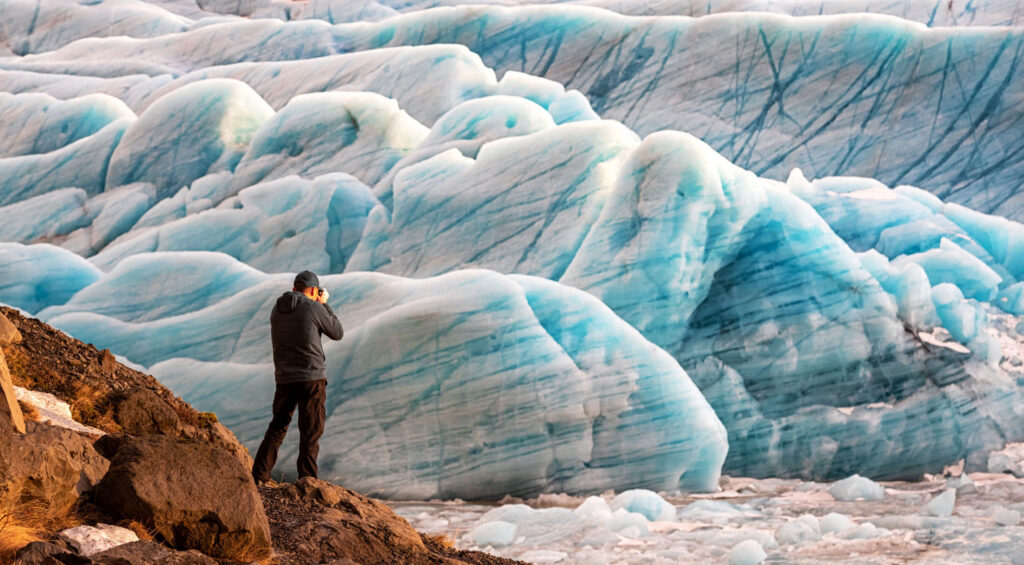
(91, 407)
(144, 533)
(207, 419)
(25, 521)
(441, 539)
(29, 412)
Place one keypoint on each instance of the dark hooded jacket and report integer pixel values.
(296, 324)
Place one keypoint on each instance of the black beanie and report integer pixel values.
(306, 279)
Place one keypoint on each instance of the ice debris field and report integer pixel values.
(577, 247)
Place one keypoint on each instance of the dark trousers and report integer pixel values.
(309, 396)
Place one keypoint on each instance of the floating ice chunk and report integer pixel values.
(536, 526)
(747, 552)
(710, 511)
(543, 556)
(942, 505)
(1005, 516)
(963, 484)
(88, 540)
(857, 487)
(867, 530)
(834, 523)
(645, 502)
(1010, 460)
(594, 510)
(806, 528)
(496, 533)
(197, 129)
(629, 524)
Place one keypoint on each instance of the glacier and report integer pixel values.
(574, 249)
(833, 95)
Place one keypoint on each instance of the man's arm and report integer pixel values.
(329, 324)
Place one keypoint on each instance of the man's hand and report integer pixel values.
(324, 295)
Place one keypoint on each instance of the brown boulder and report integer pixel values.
(9, 333)
(150, 553)
(324, 523)
(50, 464)
(194, 495)
(141, 412)
(45, 553)
(10, 413)
(135, 553)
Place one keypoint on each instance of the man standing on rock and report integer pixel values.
(297, 321)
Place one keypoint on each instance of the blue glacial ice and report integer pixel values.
(783, 105)
(835, 326)
(207, 126)
(37, 276)
(566, 397)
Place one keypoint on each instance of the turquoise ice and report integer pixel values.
(470, 385)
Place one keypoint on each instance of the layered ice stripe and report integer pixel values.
(314, 134)
(35, 27)
(284, 225)
(471, 384)
(929, 12)
(206, 127)
(963, 411)
(426, 80)
(32, 124)
(523, 205)
(81, 164)
(831, 94)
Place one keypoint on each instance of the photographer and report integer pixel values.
(297, 321)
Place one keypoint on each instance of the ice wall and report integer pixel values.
(470, 385)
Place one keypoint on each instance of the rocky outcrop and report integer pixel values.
(45, 553)
(11, 417)
(141, 412)
(50, 464)
(317, 522)
(102, 392)
(9, 334)
(150, 553)
(193, 494)
(135, 553)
